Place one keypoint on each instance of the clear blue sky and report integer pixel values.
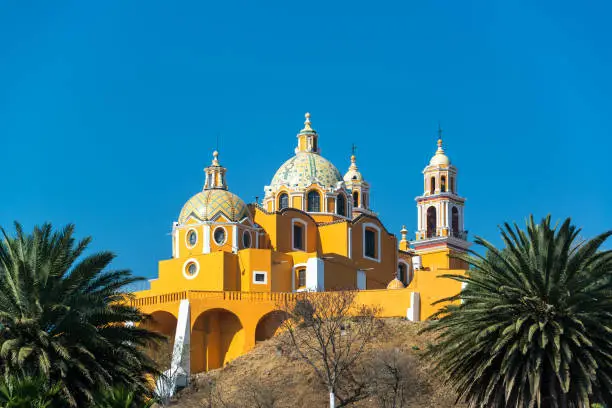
(109, 110)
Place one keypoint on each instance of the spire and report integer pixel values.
(440, 149)
(215, 174)
(404, 233)
(307, 138)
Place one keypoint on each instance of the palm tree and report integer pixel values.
(63, 316)
(27, 392)
(533, 325)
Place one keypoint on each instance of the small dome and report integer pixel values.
(440, 158)
(353, 173)
(208, 204)
(304, 169)
(395, 284)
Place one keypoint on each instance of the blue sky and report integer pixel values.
(110, 110)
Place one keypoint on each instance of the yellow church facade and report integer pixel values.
(234, 263)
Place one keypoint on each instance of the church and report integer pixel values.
(233, 262)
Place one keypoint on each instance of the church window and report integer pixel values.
(370, 243)
(299, 236)
(402, 273)
(355, 199)
(283, 201)
(246, 239)
(191, 269)
(301, 273)
(431, 222)
(220, 236)
(314, 201)
(443, 184)
(433, 185)
(341, 205)
(192, 238)
(455, 221)
(260, 278)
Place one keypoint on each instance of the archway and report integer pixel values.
(217, 337)
(164, 323)
(431, 222)
(269, 324)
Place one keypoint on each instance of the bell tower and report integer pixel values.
(440, 212)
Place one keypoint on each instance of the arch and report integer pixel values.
(433, 185)
(313, 199)
(217, 337)
(455, 221)
(432, 222)
(162, 322)
(405, 269)
(283, 201)
(355, 199)
(341, 205)
(443, 184)
(451, 187)
(364, 200)
(269, 324)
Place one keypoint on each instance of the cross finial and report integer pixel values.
(439, 131)
(353, 149)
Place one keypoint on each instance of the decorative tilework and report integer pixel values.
(208, 204)
(304, 169)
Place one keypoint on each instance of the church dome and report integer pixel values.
(353, 173)
(304, 169)
(395, 284)
(207, 205)
(440, 158)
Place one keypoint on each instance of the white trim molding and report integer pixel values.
(293, 270)
(187, 262)
(378, 239)
(187, 243)
(225, 237)
(265, 276)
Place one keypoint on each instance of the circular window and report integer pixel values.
(192, 238)
(191, 269)
(219, 236)
(246, 239)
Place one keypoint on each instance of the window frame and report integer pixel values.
(342, 197)
(308, 195)
(304, 227)
(377, 241)
(280, 198)
(187, 243)
(265, 276)
(225, 235)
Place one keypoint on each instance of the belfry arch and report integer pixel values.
(432, 222)
(217, 337)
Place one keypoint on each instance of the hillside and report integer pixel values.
(270, 376)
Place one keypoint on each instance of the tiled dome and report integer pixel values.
(395, 284)
(209, 204)
(304, 169)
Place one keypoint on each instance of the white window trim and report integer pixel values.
(293, 273)
(187, 244)
(226, 235)
(409, 274)
(187, 262)
(378, 236)
(264, 273)
(304, 225)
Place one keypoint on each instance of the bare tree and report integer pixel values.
(329, 331)
(392, 373)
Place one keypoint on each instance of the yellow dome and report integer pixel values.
(395, 284)
(440, 158)
(304, 169)
(207, 205)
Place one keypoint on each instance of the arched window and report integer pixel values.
(283, 201)
(355, 199)
(443, 184)
(433, 185)
(455, 221)
(341, 205)
(402, 272)
(301, 278)
(314, 201)
(431, 222)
